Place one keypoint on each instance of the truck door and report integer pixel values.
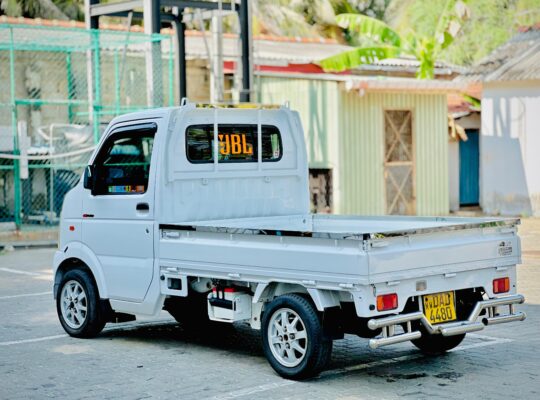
(118, 212)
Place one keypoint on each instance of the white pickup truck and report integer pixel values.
(205, 212)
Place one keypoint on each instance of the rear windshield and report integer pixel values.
(237, 143)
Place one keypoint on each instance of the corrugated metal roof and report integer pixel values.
(409, 64)
(517, 59)
(404, 84)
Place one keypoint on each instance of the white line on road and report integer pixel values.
(16, 296)
(125, 327)
(18, 271)
(490, 341)
(41, 339)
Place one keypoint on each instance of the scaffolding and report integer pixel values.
(175, 13)
(59, 87)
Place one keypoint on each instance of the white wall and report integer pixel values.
(510, 148)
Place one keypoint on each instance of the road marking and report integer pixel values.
(16, 296)
(481, 344)
(18, 271)
(490, 341)
(41, 339)
(255, 389)
(484, 337)
(126, 327)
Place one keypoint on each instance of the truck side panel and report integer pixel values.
(260, 258)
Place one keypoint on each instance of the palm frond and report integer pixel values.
(358, 56)
(376, 30)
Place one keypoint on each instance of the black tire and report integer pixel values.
(318, 348)
(95, 317)
(435, 345)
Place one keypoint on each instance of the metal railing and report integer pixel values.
(59, 87)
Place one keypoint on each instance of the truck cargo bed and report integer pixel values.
(348, 226)
(333, 251)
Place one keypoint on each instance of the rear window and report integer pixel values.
(237, 143)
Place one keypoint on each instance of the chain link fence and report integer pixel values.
(59, 87)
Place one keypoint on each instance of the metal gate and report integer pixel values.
(399, 162)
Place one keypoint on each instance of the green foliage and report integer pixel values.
(310, 18)
(369, 27)
(424, 47)
(358, 56)
(48, 9)
(490, 24)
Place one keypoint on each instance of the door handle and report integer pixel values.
(143, 207)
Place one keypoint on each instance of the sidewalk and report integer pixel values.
(29, 236)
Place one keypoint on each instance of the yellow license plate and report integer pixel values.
(439, 307)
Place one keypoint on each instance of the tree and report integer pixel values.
(491, 23)
(48, 9)
(380, 41)
(310, 18)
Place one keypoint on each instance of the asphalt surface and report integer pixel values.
(158, 358)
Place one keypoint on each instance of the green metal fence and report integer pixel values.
(59, 87)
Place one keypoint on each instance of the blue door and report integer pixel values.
(469, 165)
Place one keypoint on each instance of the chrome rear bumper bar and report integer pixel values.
(475, 322)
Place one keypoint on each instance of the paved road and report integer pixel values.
(156, 358)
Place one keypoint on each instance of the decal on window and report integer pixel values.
(236, 143)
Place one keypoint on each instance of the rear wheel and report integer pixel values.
(78, 305)
(437, 344)
(293, 339)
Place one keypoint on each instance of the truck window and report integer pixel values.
(123, 164)
(237, 143)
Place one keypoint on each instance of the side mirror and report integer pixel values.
(88, 177)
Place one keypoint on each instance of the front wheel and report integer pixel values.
(78, 305)
(437, 344)
(293, 338)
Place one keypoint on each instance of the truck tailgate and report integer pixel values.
(434, 253)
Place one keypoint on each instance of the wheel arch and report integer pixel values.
(78, 256)
(322, 299)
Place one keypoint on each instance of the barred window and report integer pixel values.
(237, 143)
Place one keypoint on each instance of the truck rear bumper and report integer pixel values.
(475, 322)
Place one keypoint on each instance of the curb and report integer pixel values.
(30, 244)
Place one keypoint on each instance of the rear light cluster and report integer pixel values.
(387, 302)
(501, 285)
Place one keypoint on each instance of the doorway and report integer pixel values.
(469, 169)
(399, 162)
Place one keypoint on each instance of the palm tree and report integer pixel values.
(379, 41)
(310, 18)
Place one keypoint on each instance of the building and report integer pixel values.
(509, 139)
(377, 137)
(382, 142)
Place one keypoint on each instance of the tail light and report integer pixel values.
(501, 285)
(387, 302)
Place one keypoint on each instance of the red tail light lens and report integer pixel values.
(387, 302)
(501, 285)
